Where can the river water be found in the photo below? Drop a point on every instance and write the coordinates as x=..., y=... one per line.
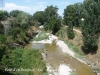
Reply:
x=55, y=57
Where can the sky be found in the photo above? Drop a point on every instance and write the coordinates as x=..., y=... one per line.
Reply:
x=31, y=6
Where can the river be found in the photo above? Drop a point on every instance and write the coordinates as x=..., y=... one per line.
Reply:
x=55, y=57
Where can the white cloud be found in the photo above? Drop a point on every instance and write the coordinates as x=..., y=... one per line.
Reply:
x=11, y=6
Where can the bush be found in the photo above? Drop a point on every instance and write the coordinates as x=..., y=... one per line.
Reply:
x=70, y=33
x=15, y=32
x=25, y=59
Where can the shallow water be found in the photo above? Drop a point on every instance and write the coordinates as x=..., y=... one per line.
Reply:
x=35, y=46
x=55, y=57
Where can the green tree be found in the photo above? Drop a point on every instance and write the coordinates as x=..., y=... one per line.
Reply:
x=53, y=21
x=3, y=15
x=69, y=20
x=23, y=19
x=39, y=16
x=77, y=14
x=15, y=13
x=70, y=32
x=91, y=26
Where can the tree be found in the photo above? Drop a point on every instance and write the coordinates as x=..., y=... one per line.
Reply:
x=91, y=26
x=23, y=19
x=39, y=16
x=77, y=14
x=70, y=32
x=3, y=15
x=69, y=19
x=15, y=13
x=53, y=21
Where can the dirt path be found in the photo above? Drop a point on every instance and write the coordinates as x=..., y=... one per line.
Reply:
x=76, y=30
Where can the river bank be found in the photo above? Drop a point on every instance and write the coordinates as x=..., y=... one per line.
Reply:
x=62, y=69
x=65, y=49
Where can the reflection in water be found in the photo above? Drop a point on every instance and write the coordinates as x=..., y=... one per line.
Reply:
x=56, y=57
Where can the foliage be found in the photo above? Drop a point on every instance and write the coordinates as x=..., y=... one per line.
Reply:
x=91, y=26
x=53, y=21
x=24, y=20
x=40, y=17
x=13, y=57
x=2, y=45
x=36, y=24
x=19, y=59
x=23, y=16
x=15, y=13
x=24, y=25
x=69, y=14
x=77, y=14
x=54, y=24
x=15, y=32
x=62, y=33
x=70, y=32
x=2, y=39
x=14, y=22
x=3, y=15
x=68, y=18
x=1, y=28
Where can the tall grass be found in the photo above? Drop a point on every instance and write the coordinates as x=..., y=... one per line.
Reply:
x=25, y=59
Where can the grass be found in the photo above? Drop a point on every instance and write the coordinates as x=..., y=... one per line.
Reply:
x=97, y=69
x=73, y=73
x=63, y=34
x=74, y=48
x=41, y=36
x=78, y=53
x=25, y=59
